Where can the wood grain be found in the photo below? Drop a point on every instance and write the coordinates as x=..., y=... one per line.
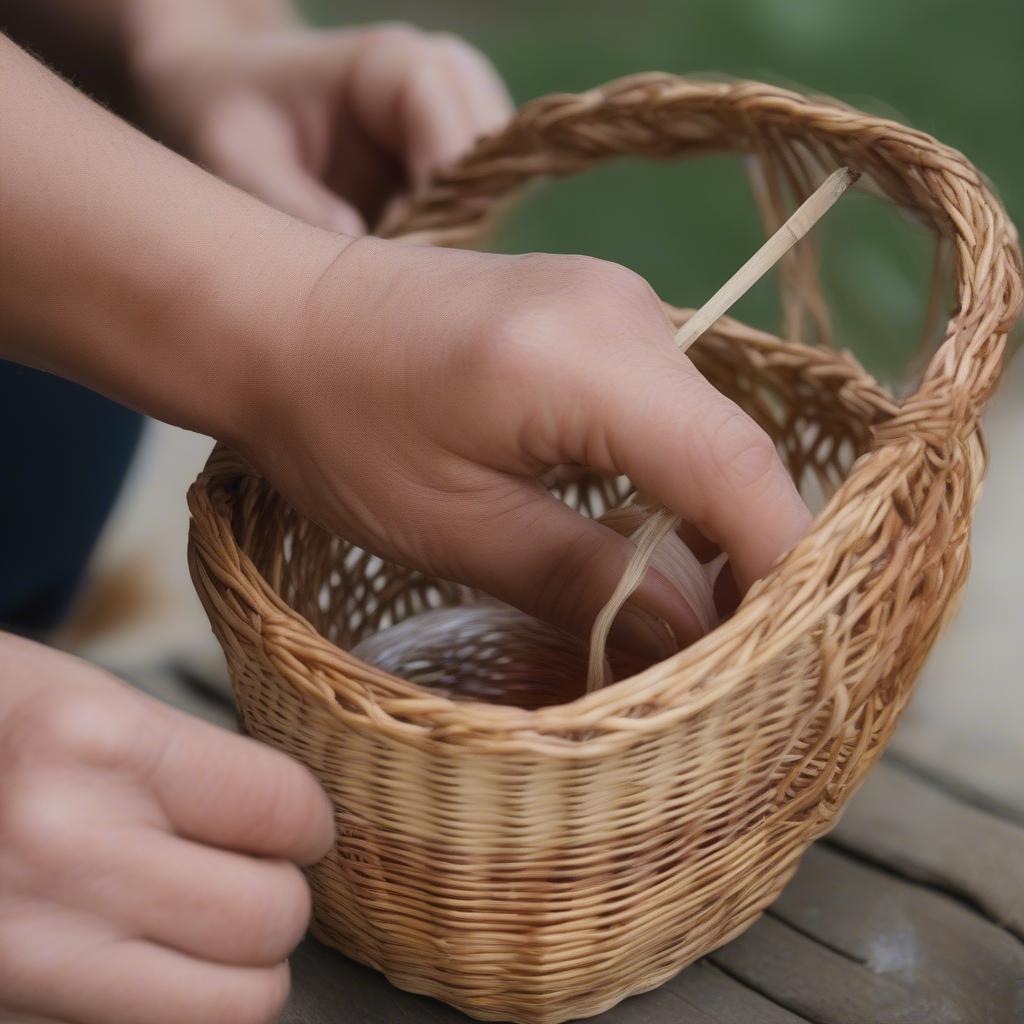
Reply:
x=847, y=942
x=914, y=829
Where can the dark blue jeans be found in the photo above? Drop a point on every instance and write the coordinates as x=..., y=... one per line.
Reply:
x=64, y=452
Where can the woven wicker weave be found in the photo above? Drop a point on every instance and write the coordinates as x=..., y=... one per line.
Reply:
x=539, y=865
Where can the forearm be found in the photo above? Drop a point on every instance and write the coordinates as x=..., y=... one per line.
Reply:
x=129, y=270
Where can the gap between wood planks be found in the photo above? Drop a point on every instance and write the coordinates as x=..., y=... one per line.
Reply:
x=885, y=868
x=764, y=995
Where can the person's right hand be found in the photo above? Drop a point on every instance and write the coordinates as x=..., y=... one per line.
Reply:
x=420, y=396
x=147, y=859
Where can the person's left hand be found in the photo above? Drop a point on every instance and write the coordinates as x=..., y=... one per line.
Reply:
x=326, y=125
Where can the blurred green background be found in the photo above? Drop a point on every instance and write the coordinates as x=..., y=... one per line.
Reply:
x=952, y=68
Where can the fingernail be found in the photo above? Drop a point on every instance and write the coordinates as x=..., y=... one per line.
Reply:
x=638, y=632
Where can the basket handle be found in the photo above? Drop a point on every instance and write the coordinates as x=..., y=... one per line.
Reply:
x=663, y=116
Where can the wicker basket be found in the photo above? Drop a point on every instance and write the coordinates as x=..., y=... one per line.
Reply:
x=541, y=865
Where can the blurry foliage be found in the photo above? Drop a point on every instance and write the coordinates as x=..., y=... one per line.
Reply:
x=948, y=67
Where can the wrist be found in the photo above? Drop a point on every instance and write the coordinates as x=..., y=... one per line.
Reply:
x=320, y=338
x=258, y=314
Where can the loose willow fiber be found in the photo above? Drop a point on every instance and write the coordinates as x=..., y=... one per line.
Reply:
x=541, y=865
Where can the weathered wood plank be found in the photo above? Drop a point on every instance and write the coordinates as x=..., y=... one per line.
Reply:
x=817, y=982
x=990, y=782
x=702, y=994
x=918, y=831
x=847, y=943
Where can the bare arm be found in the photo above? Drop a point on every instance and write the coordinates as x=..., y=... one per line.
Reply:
x=125, y=267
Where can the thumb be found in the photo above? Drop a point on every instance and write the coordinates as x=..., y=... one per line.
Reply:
x=252, y=146
x=546, y=559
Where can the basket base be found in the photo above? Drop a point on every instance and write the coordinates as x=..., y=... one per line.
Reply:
x=578, y=1008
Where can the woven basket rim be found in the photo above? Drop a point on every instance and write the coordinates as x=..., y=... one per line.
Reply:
x=534, y=729
x=943, y=411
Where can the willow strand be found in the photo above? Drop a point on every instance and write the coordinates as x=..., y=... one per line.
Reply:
x=664, y=521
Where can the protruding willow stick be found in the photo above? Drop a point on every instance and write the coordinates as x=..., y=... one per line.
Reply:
x=802, y=220
x=663, y=521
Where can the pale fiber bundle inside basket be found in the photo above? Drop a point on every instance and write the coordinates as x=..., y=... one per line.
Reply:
x=484, y=650
x=675, y=561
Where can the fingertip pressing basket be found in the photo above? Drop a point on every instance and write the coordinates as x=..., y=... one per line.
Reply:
x=540, y=865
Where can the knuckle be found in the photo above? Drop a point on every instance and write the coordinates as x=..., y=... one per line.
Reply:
x=19, y=818
x=610, y=283
x=19, y=976
x=609, y=304
x=296, y=811
x=742, y=454
x=552, y=305
x=396, y=34
x=448, y=40
x=10, y=948
x=260, y=1001
x=270, y=918
x=69, y=726
x=517, y=344
x=37, y=821
x=450, y=43
x=286, y=802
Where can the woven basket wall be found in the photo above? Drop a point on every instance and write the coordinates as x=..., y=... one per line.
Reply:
x=541, y=865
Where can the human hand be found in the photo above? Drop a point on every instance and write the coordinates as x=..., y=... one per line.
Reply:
x=324, y=125
x=147, y=859
x=425, y=394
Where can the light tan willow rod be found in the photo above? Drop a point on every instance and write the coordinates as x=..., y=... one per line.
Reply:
x=663, y=521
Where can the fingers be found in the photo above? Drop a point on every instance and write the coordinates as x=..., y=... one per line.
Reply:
x=252, y=145
x=124, y=982
x=426, y=98
x=474, y=79
x=517, y=542
x=699, y=454
x=435, y=127
x=209, y=903
x=451, y=101
x=225, y=790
